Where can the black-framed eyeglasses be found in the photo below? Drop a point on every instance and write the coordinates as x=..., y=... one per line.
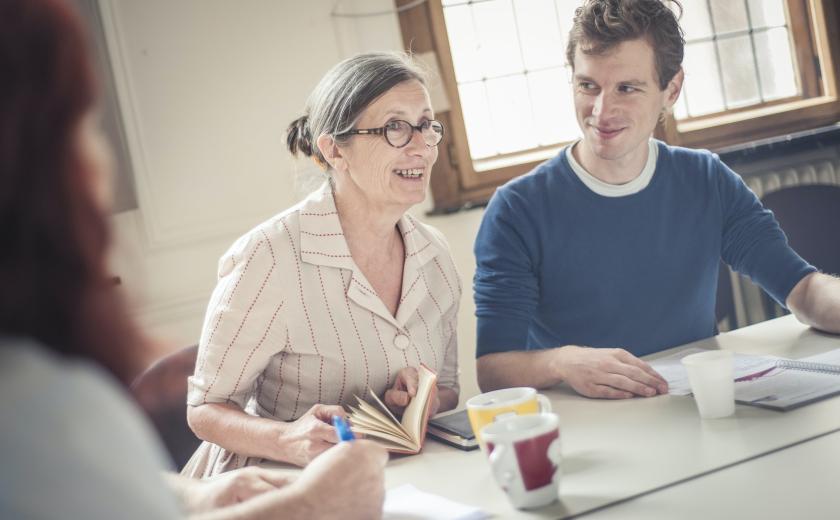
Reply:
x=398, y=133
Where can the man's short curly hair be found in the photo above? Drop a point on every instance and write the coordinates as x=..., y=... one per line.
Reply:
x=600, y=25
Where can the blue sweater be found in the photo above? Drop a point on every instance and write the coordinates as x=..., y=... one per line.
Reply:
x=558, y=264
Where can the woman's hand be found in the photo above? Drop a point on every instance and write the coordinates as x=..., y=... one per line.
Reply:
x=310, y=435
x=404, y=390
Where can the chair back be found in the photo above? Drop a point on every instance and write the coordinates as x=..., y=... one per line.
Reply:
x=161, y=391
x=810, y=217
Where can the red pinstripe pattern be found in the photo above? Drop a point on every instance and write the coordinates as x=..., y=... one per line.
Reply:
x=283, y=356
x=293, y=416
x=356, y=329
x=403, y=297
x=414, y=346
x=384, y=351
x=445, y=279
x=308, y=320
x=322, y=234
x=419, y=250
x=366, y=288
x=428, y=339
x=251, y=354
x=405, y=350
x=203, y=359
x=238, y=331
x=324, y=254
x=337, y=337
x=437, y=305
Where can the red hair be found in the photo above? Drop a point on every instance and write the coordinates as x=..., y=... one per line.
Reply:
x=54, y=237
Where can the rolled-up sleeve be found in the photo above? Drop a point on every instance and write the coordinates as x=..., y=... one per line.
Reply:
x=506, y=285
x=753, y=243
x=243, y=327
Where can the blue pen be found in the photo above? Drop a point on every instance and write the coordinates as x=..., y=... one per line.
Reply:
x=344, y=432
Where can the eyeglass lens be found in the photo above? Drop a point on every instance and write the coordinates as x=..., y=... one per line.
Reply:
x=399, y=132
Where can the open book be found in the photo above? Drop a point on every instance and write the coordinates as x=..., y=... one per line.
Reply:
x=375, y=421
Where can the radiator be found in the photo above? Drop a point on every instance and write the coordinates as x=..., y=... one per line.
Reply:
x=821, y=166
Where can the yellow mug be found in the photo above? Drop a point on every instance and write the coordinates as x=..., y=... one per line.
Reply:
x=485, y=408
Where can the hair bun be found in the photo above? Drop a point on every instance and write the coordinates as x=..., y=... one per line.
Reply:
x=299, y=137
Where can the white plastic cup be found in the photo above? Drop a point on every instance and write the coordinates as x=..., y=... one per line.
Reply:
x=712, y=382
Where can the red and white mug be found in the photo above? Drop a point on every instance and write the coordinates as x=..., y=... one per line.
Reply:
x=525, y=455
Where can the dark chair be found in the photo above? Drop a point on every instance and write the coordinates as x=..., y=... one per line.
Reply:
x=161, y=391
x=810, y=217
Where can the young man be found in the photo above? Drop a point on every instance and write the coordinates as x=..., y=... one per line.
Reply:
x=611, y=250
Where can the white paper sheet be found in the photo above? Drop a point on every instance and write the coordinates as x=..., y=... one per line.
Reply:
x=409, y=503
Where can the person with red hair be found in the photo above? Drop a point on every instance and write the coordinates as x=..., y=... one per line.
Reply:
x=74, y=444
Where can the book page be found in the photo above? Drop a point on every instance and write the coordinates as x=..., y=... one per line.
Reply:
x=787, y=388
x=414, y=416
x=389, y=441
x=369, y=416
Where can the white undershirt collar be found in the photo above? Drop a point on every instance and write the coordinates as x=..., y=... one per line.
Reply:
x=616, y=190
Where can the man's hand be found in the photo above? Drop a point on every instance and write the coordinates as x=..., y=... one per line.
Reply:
x=611, y=373
x=310, y=435
x=346, y=482
x=404, y=390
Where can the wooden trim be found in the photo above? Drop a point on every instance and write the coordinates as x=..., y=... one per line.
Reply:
x=803, y=45
x=459, y=129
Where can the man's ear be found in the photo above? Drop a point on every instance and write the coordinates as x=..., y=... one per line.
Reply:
x=331, y=152
x=674, y=88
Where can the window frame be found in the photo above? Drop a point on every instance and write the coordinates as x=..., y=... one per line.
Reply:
x=457, y=183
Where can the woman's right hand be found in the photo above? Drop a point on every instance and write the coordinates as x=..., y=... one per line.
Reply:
x=310, y=435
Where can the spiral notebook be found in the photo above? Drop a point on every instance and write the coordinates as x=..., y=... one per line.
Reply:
x=792, y=383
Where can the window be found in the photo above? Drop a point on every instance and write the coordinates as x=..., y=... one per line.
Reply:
x=754, y=69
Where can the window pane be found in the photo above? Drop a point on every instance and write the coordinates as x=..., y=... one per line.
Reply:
x=729, y=15
x=510, y=111
x=767, y=13
x=542, y=45
x=702, y=87
x=695, y=21
x=739, y=78
x=477, y=119
x=565, y=14
x=498, y=45
x=775, y=63
x=463, y=43
x=551, y=95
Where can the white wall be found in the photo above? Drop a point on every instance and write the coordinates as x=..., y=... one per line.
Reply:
x=206, y=88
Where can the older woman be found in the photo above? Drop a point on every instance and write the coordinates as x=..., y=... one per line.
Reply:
x=339, y=293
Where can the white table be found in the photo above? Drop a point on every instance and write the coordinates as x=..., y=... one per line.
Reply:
x=797, y=482
x=617, y=450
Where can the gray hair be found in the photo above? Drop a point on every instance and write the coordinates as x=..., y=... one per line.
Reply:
x=343, y=94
